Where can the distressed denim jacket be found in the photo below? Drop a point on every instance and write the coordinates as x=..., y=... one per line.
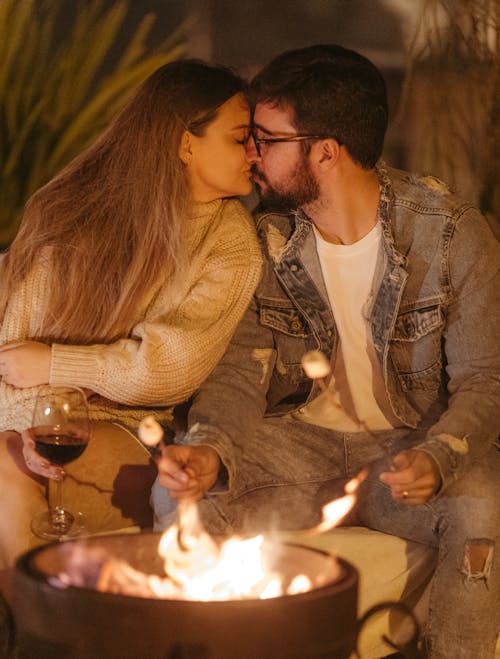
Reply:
x=434, y=314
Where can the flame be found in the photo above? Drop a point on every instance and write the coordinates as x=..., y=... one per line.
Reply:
x=197, y=567
x=336, y=510
x=205, y=570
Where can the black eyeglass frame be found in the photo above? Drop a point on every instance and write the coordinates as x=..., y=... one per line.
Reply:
x=292, y=138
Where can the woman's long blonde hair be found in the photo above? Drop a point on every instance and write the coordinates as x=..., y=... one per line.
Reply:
x=115, y=217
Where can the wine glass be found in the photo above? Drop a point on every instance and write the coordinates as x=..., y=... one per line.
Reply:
x=61, y=431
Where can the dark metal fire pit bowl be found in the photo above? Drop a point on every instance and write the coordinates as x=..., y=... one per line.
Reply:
x=77, y=623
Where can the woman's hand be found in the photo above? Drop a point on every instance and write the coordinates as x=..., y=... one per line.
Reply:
x=188, y=471
x=35, y=462
x=25, y=364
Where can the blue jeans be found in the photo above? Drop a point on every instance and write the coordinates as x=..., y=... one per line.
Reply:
x=294, y=468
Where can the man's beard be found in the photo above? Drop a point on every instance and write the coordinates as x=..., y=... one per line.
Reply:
x=298, y=189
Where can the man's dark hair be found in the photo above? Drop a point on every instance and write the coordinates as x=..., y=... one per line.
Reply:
x=333, y=91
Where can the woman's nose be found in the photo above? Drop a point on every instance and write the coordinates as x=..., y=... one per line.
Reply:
x=252, y=154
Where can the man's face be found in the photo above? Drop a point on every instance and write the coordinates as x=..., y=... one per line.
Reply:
x=282, y=172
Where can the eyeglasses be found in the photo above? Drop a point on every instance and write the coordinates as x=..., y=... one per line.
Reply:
x=259, y=141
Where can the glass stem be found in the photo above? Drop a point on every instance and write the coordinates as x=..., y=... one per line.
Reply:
x=61, y=519
x=58, y=496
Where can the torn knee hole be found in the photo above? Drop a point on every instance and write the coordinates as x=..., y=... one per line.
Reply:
x=478, y=557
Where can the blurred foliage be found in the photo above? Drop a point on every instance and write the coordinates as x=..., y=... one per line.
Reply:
x=60, y=85
x=453, y=86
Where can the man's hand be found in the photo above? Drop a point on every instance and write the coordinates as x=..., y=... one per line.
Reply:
x=415, y=477
x=188, y=471
x=25, y=364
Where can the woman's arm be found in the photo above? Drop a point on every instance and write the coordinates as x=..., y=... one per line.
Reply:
x=172, y=352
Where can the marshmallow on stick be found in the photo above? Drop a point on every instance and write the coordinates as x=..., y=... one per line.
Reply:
x=315, y=365
x=317, y=368
x=150, y=431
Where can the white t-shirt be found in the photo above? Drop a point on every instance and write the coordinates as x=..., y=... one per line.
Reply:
x=348, y=274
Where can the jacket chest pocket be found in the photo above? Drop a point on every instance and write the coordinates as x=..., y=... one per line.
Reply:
x=416, y=348
x=284, y=319
x=290, y=332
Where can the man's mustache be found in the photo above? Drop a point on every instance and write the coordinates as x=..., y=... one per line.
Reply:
x=256, y=172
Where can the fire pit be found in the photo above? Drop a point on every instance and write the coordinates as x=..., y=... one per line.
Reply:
x=81, y=622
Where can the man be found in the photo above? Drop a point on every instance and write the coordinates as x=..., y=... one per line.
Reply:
x=396, y=281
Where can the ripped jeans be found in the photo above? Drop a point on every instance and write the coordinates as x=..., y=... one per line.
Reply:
x=294, y=468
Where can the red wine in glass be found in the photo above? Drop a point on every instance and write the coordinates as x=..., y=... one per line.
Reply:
x=60, y=431
x=58, y=449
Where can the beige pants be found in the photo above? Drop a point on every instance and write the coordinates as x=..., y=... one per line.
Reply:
x=110, y=484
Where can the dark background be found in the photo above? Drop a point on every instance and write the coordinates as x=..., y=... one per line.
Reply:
x=246, y=34
x=440, y=60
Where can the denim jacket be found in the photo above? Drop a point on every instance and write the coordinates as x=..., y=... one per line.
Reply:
x=435, y=320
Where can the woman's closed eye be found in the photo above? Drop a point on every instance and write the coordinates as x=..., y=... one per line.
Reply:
x=241, y=138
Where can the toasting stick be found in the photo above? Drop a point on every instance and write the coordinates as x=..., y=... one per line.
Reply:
x=317, y=368
x=152, y=434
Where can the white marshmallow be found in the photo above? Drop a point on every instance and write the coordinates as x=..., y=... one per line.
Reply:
x=150, y=431
x=315, y=365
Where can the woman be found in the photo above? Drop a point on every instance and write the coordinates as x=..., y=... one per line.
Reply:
x=127, y=278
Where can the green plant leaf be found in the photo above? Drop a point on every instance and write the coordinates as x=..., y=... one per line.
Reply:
x=54, y=96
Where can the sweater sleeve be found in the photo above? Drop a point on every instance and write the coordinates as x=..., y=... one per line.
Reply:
x=171, y=352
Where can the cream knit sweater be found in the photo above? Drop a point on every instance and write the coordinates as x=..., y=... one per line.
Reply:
x=176, y=341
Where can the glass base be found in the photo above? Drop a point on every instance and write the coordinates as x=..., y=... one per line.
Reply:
x=58, y=524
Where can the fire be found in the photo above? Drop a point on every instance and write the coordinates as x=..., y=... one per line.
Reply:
x=198, y=567
x=238, y=568
x=206, y=571
x=336, y=510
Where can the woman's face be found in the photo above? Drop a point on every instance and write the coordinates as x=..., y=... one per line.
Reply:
x=217, y=162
